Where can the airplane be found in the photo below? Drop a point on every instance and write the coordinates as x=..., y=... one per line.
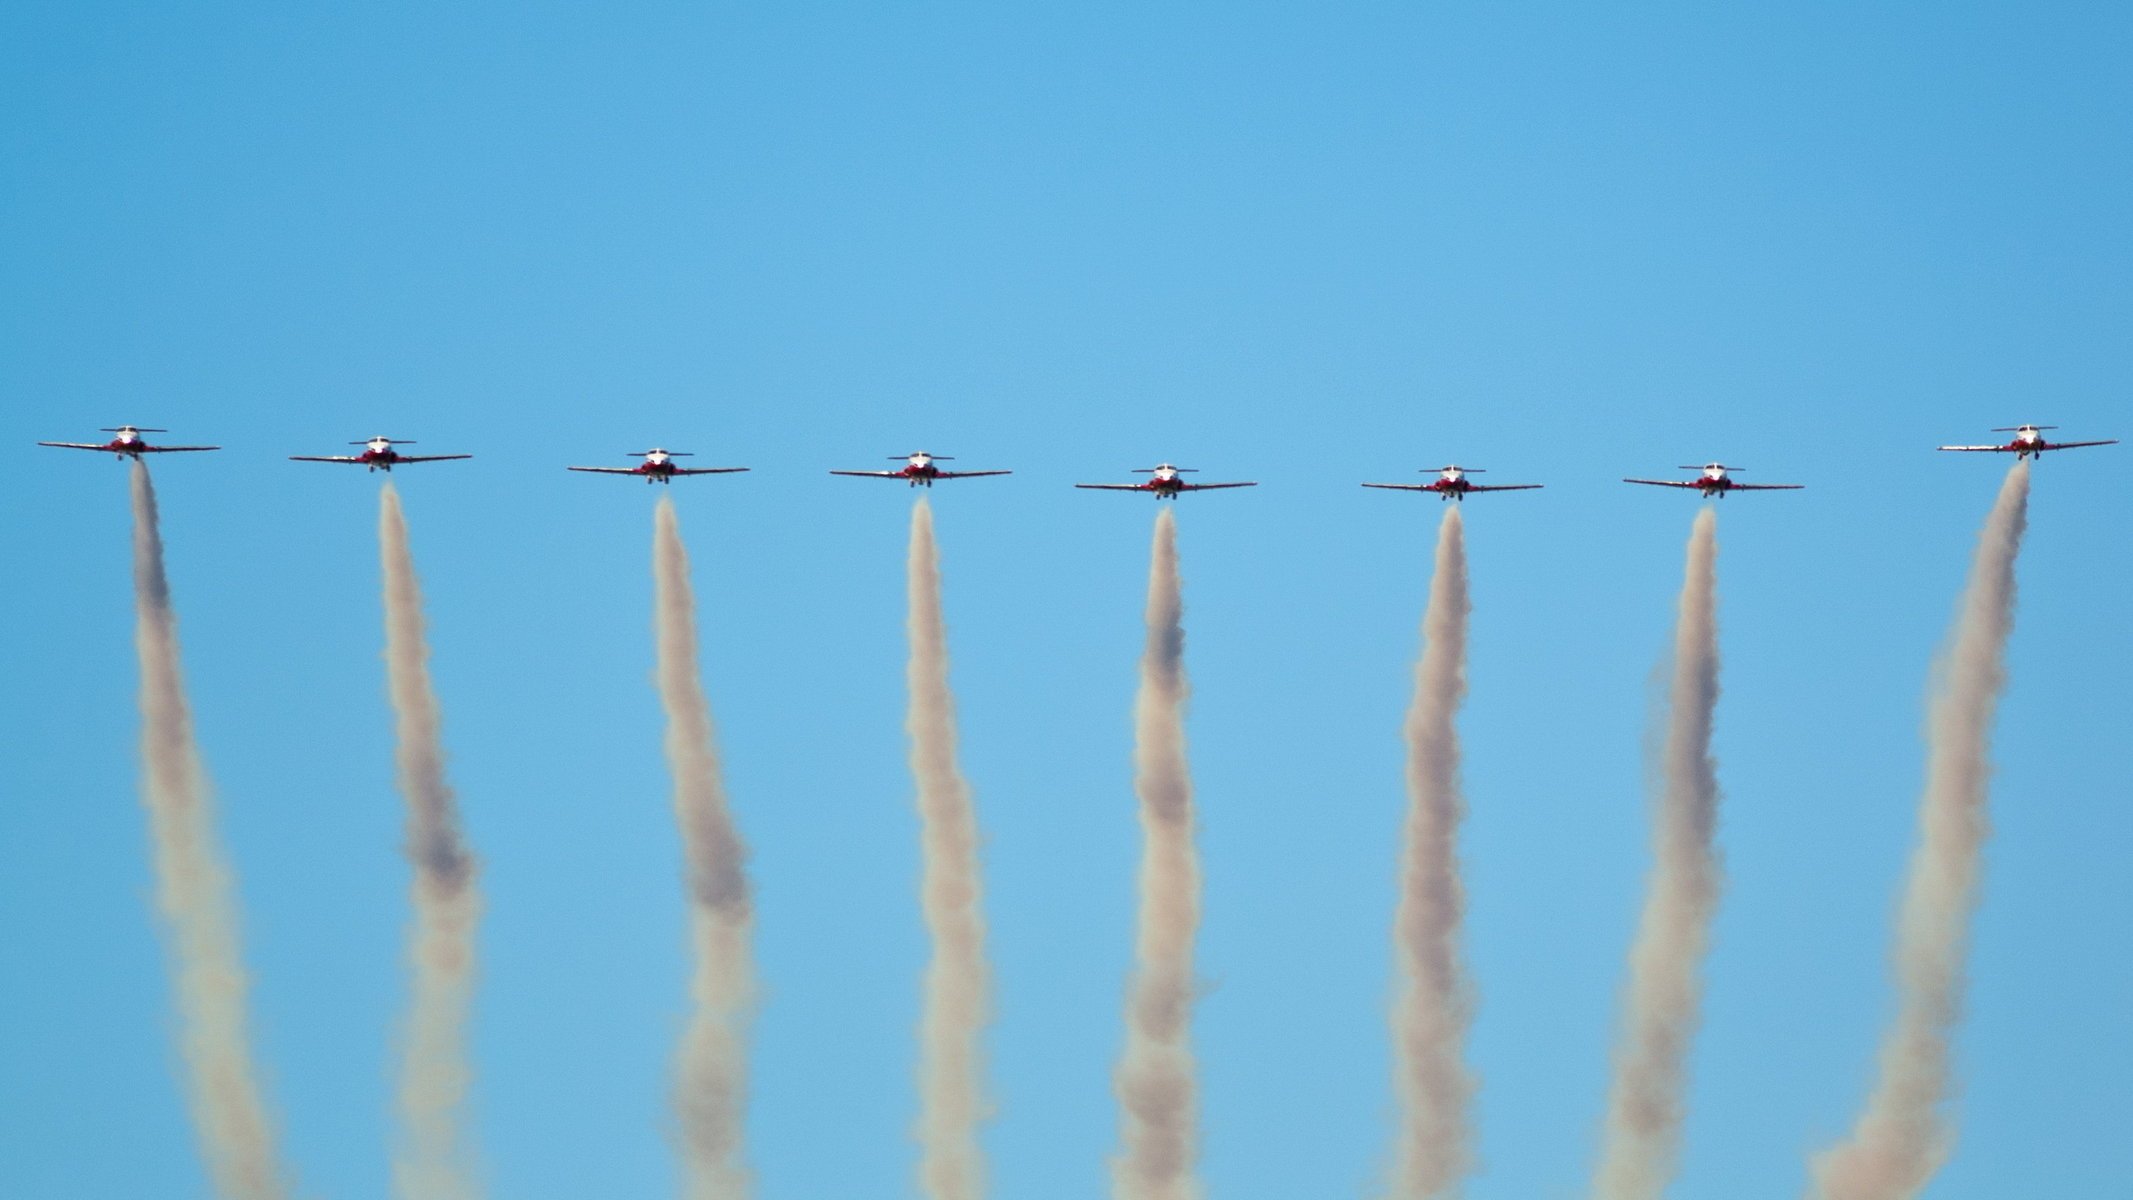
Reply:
x=659, y=467
x=919, y=471
x=378, y=455
x=1715, y=482
x=1451, y=484
x=2028, y=440
x=128, y=443
x=1163, y=482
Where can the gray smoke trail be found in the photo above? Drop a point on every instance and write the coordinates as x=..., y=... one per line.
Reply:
x=958, y=982
x=1664, y=995
x=1434, y=1148
x=193, y=892
x=1154, y=1080
x=433, y=1162
x=1902, y=1138
x=711, y=1066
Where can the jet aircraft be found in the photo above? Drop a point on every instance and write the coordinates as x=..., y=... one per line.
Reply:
x=659, y=467
x=1451, y=484
x=378, y=455
x=2028, y=440
x=128, y=444
x=1163, y=482
x=918, y=470
x=1715, y=482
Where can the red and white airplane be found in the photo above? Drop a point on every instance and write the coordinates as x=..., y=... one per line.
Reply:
x=128, y=443
x=1162, y=482
x=659, y=467
x=1715, y=482
x=2028, y=440
x=1451, y=484
x=918, y=470
x=378, y=455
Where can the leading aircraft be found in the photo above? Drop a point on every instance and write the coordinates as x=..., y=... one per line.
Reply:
x=659, y=467
x=1715, y=482
x=128, y=443
x=1451, y=484
x=2028, y=440
x=378, y=455
x=1162, y=482
x=918, y=470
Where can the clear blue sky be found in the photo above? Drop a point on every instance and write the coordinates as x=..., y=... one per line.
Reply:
x=1305, y=244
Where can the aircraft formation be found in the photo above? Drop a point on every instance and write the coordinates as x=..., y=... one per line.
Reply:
x=1165, y=480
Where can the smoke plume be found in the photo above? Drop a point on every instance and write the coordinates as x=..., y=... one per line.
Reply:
x=1902, y=1138
x=193, y=893
x=1430, y=1017
x=1154, y=1080
x=433, y=1161
x=1664, y=995
x=711, y=1065
x=958, y=981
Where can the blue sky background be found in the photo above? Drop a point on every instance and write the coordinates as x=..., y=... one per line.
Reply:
x=1305, y=244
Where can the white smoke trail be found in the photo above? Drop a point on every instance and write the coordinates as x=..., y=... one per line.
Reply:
x=1664, y=996
x=958, y=981
x=193, y=893
x=1156, y=1087
x=433, y=1161
x=1433, y=1148
x=711, y=1066
x=1902, y=1138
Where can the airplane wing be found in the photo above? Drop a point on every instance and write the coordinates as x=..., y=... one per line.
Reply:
x=873, y=474
x=1406, y=487
x=1201, y=487
x=410, y=458
x=2072, y=445
x=74, y=445
x=174, y=449
x=609, y=470
x=1680, y=483
x=1503, y=487
x=1116, y=487
x=969, y=474
x=339, y=458
x=1768, y=487
x=1987, y=449
x=707, y=470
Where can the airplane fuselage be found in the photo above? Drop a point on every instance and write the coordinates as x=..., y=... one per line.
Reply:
x=1450, y=484
x=128, y=444
x=656, y=470
x=378, y=455
x=2028, y=442
x=1165, y=483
